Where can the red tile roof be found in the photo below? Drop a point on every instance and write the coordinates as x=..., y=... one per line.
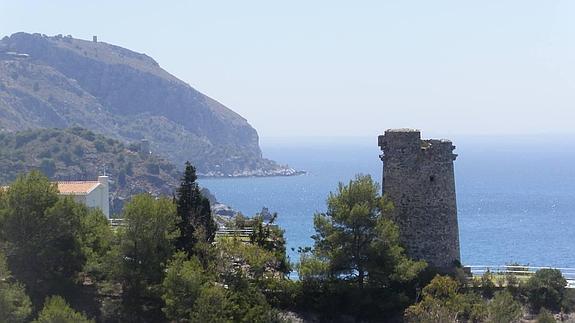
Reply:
x=77, y=188
x=71, y=187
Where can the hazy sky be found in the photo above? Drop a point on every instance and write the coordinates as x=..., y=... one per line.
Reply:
x=341, y=68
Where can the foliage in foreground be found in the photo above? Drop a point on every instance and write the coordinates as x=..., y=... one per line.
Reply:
x=182, y=284
x=56, y=310
x=357, y=265
x=445, y=300
x=146, y=243
x=188, y=277
x=15, y=305
x=545, y=317
x=141, y=273
x=546, y=289
x=40, y=233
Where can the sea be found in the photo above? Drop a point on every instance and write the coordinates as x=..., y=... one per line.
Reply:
x=515, y=194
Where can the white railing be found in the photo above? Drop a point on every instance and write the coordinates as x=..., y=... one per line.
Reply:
x=116, y=222
x=234, y=232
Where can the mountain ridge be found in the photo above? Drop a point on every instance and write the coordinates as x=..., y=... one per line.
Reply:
x=48, y=82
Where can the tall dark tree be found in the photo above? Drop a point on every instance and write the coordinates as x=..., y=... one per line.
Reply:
x=194, y=213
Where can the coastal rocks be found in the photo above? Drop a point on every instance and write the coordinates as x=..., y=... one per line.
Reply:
x=223, y=210
x=280, y=171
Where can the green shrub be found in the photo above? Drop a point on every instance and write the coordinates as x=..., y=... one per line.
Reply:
x=545, y=317
x=474, y=308
x=545, y=289
x=487, y=284
x=183, y=284
x=213, y=305
x=568, y=304
x=504, y=309
x=441, y=302
x=56, y=310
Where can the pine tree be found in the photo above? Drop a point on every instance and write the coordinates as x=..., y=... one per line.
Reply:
x=358, y=240
x=39, y=233
x=194, y=212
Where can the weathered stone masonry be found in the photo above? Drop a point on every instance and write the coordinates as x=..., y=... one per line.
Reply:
x=419, y=179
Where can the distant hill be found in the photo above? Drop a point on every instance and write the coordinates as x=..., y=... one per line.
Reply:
x=62, y=82
x=79, y=154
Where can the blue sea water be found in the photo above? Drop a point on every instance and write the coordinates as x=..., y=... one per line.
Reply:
x=515, y=195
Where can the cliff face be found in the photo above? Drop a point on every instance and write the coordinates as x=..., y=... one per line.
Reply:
x=48, y=82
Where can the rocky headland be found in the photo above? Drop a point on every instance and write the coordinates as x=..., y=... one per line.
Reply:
x=63, y=82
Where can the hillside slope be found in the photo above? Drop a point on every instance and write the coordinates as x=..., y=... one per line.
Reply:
x=79, y=154
x=59, y=82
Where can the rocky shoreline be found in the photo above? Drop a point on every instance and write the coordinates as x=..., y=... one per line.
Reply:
x=281, y=172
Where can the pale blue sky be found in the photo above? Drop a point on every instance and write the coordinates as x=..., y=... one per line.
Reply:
x=347, y=68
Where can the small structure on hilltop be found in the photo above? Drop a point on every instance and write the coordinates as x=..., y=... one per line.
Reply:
x=418, y=177
x=93, y=194
x=144, y=150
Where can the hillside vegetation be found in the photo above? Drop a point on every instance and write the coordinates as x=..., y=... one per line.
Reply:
x=79, y=154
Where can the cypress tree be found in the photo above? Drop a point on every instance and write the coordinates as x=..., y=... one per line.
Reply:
x=194, y=213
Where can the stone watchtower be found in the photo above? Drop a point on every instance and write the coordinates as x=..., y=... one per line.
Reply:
x=418, y=178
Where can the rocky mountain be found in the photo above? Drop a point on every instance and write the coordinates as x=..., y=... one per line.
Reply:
x=62, y=82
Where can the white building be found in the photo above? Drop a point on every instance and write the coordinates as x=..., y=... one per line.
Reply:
x=93, y=194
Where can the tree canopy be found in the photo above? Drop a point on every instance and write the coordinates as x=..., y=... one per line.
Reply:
x=182, y=286
x=40, y=234
x=57, y=310
x=546, y=289
x=195, y=220
x=357, y=265
x=146, y=242
x=356, y=238
x=55, y=252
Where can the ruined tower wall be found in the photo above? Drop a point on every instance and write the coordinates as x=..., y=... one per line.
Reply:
x=419, y=179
